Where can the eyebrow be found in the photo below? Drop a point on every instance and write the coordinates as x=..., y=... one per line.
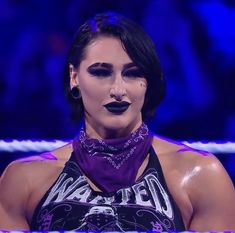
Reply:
x=99, y=64
x=129, y=65
x=110, y=66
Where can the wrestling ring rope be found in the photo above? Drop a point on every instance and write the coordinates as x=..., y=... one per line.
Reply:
x=43, y=145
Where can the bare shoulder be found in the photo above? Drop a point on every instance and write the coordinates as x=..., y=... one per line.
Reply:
x=199, y=176
x=199, y=164
x=29, y=169
x=26, y=177
x=185, y=157
x=34, y=165
x=23, y=182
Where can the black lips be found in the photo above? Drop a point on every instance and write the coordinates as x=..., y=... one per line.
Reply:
x=117, y=107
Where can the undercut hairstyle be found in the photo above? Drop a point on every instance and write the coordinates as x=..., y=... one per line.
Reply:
x=137, y=44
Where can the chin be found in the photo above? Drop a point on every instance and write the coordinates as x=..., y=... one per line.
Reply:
x=118, y=123
x=115, y=125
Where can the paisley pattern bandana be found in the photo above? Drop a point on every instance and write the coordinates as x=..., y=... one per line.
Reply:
x=112, y=164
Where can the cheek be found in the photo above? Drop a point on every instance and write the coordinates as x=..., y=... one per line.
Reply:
x=89, y=89
x=93, y=96
x=143, y=84
x=143, y=87
x=138, y=93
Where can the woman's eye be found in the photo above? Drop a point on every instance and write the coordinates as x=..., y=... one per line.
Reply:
x=135, y=73
x=100, y=72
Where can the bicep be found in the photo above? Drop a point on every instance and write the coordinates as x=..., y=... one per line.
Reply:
x=11, y=221
x=13, y=200
x=213, y=199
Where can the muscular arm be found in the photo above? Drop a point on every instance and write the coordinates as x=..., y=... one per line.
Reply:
x=213, y=197
x=13, y=198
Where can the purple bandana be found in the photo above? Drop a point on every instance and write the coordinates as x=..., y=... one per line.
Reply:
x=112, y=164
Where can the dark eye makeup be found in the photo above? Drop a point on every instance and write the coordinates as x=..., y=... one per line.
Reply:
x=105, y=70
x=99, y=72
x=132, y=73
x=100, y=69
x=130, y=70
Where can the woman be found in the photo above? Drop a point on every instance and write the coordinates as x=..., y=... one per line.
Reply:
x=116, y=175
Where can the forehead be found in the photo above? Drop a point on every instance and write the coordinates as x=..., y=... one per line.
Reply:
x=106, y=49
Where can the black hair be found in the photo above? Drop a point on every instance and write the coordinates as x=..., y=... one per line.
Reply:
x=136, y=43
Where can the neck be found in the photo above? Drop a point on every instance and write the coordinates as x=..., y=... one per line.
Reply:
x=104, y=133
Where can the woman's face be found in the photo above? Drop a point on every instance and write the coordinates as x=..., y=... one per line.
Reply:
x=112, y=89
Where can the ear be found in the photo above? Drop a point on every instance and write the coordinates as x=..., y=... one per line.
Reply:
x=73, y=72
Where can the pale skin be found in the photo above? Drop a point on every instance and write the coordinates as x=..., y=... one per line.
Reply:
x=197, y=181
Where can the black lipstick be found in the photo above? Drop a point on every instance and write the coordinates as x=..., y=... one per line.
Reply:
x=117, y=107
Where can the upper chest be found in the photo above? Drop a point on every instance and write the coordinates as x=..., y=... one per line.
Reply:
x=46, y=174
x=71, y=190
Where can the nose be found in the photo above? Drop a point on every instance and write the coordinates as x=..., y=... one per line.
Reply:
x=118, y=89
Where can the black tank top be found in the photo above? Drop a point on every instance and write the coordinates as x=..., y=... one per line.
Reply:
x=71, y=204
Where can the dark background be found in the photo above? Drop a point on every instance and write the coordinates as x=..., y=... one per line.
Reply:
x=195, y=41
